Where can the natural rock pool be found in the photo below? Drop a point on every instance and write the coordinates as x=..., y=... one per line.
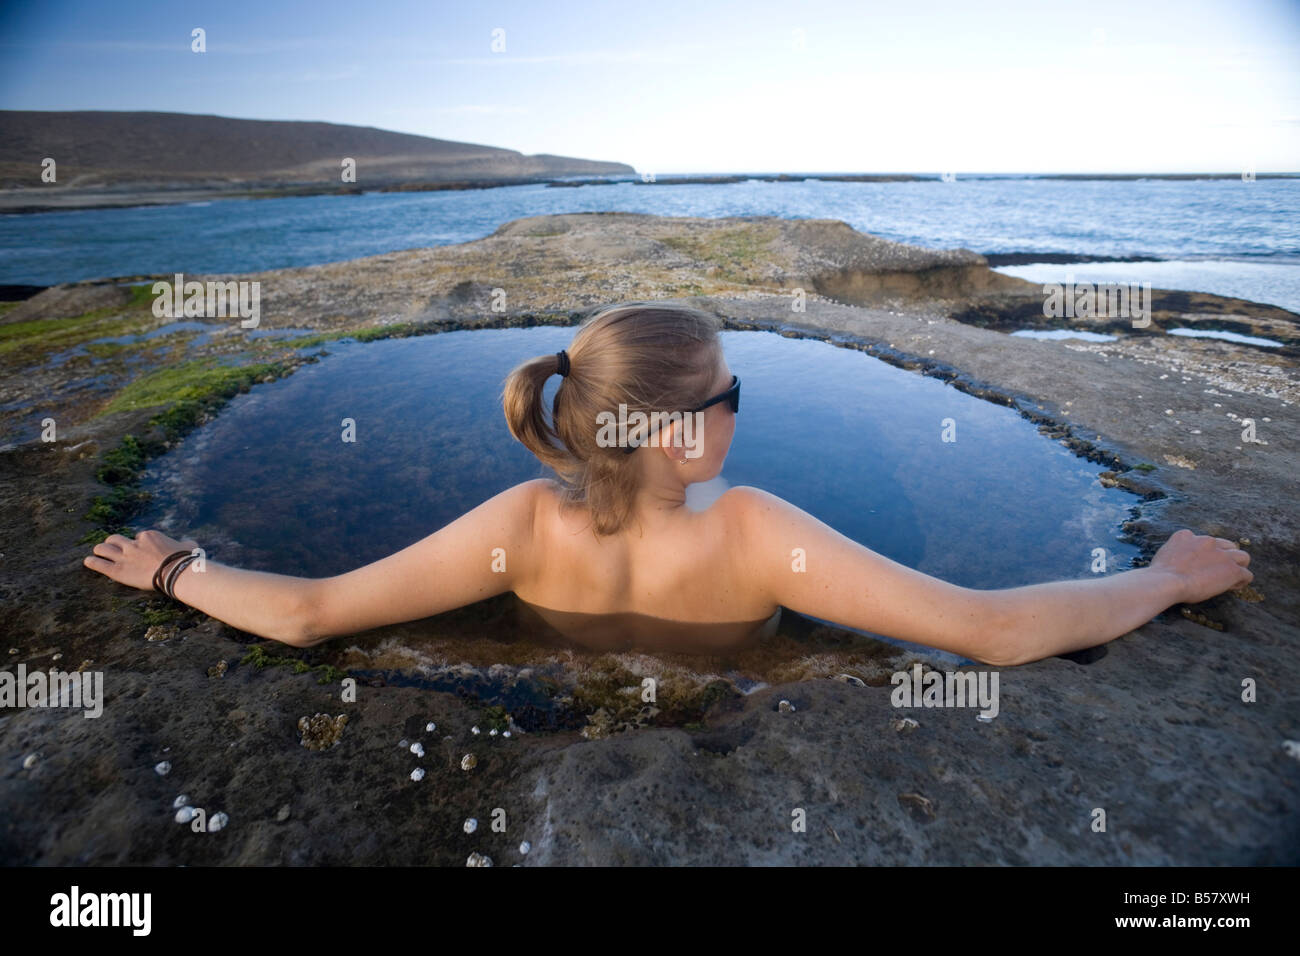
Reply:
x=271, y=485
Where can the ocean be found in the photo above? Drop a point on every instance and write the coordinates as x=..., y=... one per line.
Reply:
x=1224, y=236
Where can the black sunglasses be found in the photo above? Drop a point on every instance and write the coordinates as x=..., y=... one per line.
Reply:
x=731, y=395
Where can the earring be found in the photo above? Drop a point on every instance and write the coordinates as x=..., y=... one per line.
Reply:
x=681, y=461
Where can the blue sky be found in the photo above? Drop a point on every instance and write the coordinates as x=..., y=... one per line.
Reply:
x=669, y=87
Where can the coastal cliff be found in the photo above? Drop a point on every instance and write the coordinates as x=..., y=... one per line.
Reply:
x=106, y=158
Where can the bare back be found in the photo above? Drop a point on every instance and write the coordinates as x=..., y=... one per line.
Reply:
x=677, y=579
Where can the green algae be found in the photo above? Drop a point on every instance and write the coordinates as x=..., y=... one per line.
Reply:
x=49, y=334
x=734, y=252
x=310, y=341
x=612, y=698
x=259, y=659
x=152, y=615
x=201, y=381
x=110, y=511
x=170, y=340
x=371, y=334
x=123, y=462
x=57, y=333
x=1145, y=466
x=495, y=718
x=377, y=333
x=193, y=390
x=141, y=294
x=120, y=469
x=690, y=288
x=104, y=350
x=404, y=330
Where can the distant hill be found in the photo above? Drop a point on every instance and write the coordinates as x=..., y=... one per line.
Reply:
x=124, y=150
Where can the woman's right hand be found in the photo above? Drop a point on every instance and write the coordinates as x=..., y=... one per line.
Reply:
x=132, y=561
x=1205, y=565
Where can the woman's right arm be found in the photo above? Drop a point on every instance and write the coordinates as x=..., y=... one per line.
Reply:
x=463, y=562
x=844, y=582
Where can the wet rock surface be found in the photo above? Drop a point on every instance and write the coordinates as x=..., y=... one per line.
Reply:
x=1150, y=728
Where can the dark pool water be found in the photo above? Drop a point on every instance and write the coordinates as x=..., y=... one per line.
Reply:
x=852, y=440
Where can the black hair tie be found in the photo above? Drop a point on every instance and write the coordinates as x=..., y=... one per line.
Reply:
x=563, y=356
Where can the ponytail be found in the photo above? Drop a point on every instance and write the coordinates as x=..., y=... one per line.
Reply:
x=522, y=401
x=646, y=356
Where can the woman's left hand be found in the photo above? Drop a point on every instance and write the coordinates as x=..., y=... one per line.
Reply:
x=133, y=561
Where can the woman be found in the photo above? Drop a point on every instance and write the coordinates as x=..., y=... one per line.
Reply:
x=609, y=555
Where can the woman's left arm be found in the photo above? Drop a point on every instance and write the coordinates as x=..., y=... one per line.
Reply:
x=455, y=566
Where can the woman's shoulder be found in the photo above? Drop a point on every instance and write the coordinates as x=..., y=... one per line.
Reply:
x=548, y=502
x=762, y=517
x=744, y=494
x=740, y=508
x=539, y=486
x=747, y=500
x=540, y=493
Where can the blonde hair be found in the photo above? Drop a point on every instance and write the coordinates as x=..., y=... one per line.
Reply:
x=649, y=356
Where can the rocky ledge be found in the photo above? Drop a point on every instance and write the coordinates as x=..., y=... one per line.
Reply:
x=1151, y=728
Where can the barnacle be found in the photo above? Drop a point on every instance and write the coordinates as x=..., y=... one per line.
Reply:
x=321, y=731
